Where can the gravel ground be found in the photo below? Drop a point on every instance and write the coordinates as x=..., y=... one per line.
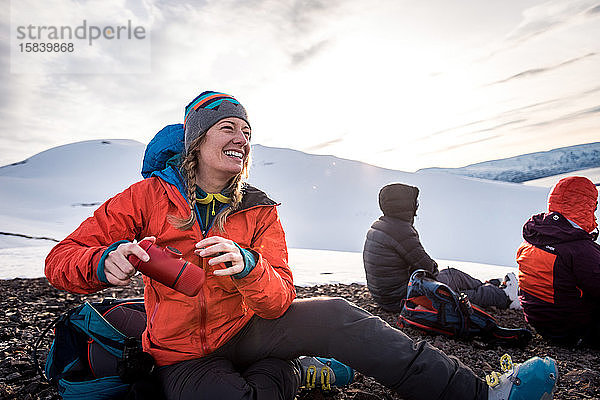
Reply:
x=28, y=305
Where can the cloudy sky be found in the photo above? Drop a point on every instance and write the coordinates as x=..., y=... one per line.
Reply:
x=399, y=84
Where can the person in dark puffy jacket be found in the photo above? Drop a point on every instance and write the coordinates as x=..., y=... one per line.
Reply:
x=559, y=266
x=393, y=251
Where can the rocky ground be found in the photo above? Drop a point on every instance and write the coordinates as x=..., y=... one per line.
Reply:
x=28, y=305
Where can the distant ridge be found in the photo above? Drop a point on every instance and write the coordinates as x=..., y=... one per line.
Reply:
x=533, y=165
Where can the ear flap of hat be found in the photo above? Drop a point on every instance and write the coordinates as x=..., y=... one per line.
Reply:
x=576, y=198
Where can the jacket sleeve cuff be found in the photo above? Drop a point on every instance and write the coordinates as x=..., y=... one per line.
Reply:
x=249, y=263
x=100, y=269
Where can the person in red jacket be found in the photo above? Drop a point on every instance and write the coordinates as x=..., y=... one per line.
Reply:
x=240, y=336
x=559, y=265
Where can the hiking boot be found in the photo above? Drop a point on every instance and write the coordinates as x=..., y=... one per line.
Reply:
x=535, y=379
x=511, y=288
x=324, y=373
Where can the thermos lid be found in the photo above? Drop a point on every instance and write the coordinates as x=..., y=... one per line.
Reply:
x=145, y=244
x=135, y=262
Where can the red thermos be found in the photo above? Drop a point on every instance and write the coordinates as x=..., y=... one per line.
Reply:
x=167, y=267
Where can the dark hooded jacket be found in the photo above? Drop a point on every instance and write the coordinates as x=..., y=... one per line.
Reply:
x=392, y=248
x=559, y=264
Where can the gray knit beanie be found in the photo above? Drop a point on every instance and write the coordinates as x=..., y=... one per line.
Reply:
x=207, y=109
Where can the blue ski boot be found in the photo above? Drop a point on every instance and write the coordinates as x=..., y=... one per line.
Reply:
x=535, y=379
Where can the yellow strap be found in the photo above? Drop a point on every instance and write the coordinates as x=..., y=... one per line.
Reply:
x=311, y=377
x=212, y=196
x=325, y=377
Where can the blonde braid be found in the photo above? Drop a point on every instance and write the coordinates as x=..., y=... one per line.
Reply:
x=235, y=193
x=188, y=170
x=235, y=190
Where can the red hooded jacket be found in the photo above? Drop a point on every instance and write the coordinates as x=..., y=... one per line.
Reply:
x=180, y=327
x=559, y=261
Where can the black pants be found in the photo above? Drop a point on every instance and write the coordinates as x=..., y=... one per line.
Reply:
x=573, y=335
x=479, y=293
x=250, y=365
x=216, y=377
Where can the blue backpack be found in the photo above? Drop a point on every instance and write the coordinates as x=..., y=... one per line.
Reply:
x=433, y=307
x=96, y=352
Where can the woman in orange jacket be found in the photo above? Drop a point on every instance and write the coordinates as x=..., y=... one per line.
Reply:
x=236, y=337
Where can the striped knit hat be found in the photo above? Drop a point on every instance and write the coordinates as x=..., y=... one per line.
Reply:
x=207, y=109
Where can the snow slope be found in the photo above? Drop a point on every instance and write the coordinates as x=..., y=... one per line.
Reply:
x=310, y=267
x=50, y=193
x=593, y=174
x=531, y=166
x=330, y=203
x=327, y=203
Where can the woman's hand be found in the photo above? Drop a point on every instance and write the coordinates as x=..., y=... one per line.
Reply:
x=117, y=268
x=221, y=250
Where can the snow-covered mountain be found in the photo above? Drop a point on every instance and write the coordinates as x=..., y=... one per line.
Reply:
x=531, y=166
x=328, y=203
x=50, y=193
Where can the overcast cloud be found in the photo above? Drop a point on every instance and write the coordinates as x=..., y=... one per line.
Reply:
x=399, y=84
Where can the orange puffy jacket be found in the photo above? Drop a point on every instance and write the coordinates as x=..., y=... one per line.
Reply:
x=179, y=327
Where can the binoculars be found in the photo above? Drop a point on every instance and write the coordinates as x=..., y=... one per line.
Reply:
x=167, y=266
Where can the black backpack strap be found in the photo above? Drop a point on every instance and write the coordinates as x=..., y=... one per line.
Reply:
x=135, y=364
x=517, y=337
x=38, y=342
x=453, y=303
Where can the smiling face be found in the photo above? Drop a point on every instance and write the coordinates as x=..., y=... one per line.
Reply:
x=223, y=153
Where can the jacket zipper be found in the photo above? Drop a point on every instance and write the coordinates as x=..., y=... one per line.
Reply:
x=201, y=297
x=157, y=302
